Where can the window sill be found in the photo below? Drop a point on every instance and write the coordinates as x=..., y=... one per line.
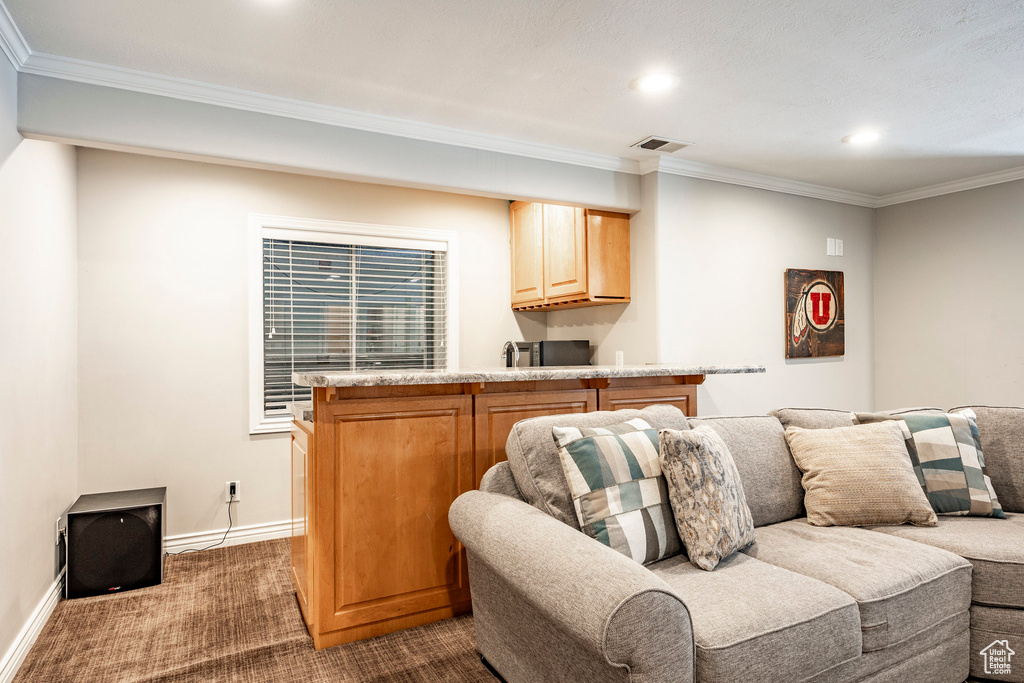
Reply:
x=274, y=425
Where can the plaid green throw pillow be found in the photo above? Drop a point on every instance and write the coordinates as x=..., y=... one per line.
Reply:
x=617, y=488
x=947, y=457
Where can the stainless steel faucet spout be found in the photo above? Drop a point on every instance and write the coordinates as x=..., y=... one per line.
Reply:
x=511, y=361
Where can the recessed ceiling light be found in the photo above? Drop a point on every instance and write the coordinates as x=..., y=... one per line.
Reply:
x=655, y=82
x=864, y=137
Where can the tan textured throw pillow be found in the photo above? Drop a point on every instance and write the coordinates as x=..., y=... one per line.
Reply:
x=858, y=475
x=946, y=452
x=707, y=498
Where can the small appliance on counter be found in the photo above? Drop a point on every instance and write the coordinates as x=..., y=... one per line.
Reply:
x=543, y=353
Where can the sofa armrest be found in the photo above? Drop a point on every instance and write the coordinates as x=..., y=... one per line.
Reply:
x=551, y=603
x=499, y=479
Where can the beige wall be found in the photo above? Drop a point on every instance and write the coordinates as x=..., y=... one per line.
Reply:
x=115, y=118
x=707, y=275
x=163, y=319
x=722, y=258
x=163, y=337
x=38, y=415
x=948, y=284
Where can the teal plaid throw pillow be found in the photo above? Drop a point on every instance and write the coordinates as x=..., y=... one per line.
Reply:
x=947, y=457
x=617, y=488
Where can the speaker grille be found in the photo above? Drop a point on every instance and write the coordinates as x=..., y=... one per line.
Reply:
x=113, y=551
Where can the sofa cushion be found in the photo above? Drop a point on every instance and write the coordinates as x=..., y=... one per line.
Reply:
x=618, y=491
x=499, y=479
x=999, y=621
x=771, y=480
x=994, y=546
x=753, y=621
x=989, y=627
x=938, y=655
x=858, y=475
x=901, y=587
x=534, y=460
x=710, y=509
x=813, y=418
x=1002, y=441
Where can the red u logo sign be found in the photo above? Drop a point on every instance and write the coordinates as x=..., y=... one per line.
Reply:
x=821, y=305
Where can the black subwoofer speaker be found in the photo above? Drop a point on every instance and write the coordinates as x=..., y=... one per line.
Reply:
x=115, y=542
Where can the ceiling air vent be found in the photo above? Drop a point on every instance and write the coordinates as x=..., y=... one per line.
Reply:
x=655, y=143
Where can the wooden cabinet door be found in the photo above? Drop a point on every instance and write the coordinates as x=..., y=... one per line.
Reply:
x=527, y=246
x=302, y=560
x=608, y=255
x=393, y=466
x=497, y=413
x=683, y=396
x=565, y=251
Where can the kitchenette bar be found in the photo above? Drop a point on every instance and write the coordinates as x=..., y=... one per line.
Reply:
x=378, y=458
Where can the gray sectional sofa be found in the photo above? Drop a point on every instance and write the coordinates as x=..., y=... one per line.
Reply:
x=803, y=603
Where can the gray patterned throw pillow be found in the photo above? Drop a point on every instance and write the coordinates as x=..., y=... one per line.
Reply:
x=707, y=495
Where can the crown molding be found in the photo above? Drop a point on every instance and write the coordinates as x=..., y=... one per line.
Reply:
x=195, y=91
x=649, y=165
x=952, y=186
x=696, y=169
x=11, y=41
x=26, y=61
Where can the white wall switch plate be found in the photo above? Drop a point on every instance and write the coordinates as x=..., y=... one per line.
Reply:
x=839, y=247
x=830, y=246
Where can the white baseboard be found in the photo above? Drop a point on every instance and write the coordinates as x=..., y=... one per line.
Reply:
x=237, y=536
x=11, y=662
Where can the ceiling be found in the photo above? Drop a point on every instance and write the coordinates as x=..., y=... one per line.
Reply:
x=767, y=86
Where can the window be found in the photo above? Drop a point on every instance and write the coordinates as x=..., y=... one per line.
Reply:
x=330, y=296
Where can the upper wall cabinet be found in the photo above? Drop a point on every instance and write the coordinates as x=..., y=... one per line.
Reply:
x=567, y=257
x=527, y=245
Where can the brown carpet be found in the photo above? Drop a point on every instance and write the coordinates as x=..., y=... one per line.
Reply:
x=230, y=614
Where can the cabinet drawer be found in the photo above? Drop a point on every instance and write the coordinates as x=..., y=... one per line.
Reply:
x=682, y=396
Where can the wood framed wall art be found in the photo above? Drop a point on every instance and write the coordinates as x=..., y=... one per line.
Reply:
x=815, y=320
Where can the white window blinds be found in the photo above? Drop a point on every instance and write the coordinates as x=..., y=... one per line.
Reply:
x=331, y=306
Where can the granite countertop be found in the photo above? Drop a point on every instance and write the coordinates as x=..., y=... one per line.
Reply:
x=383, y=378
x=302, y=411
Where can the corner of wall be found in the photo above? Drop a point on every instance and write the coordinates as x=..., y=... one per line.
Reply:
x=651, y=202
x=39, y=395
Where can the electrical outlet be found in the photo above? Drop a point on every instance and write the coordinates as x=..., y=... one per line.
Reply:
x=232, y=487
x=620, y=358
x=839, y=247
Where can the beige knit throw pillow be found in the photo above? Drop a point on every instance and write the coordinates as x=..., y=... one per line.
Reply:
x=858, y=475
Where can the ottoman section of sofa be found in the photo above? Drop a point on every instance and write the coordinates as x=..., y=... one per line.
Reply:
x=902, y=588
x=756, y=622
